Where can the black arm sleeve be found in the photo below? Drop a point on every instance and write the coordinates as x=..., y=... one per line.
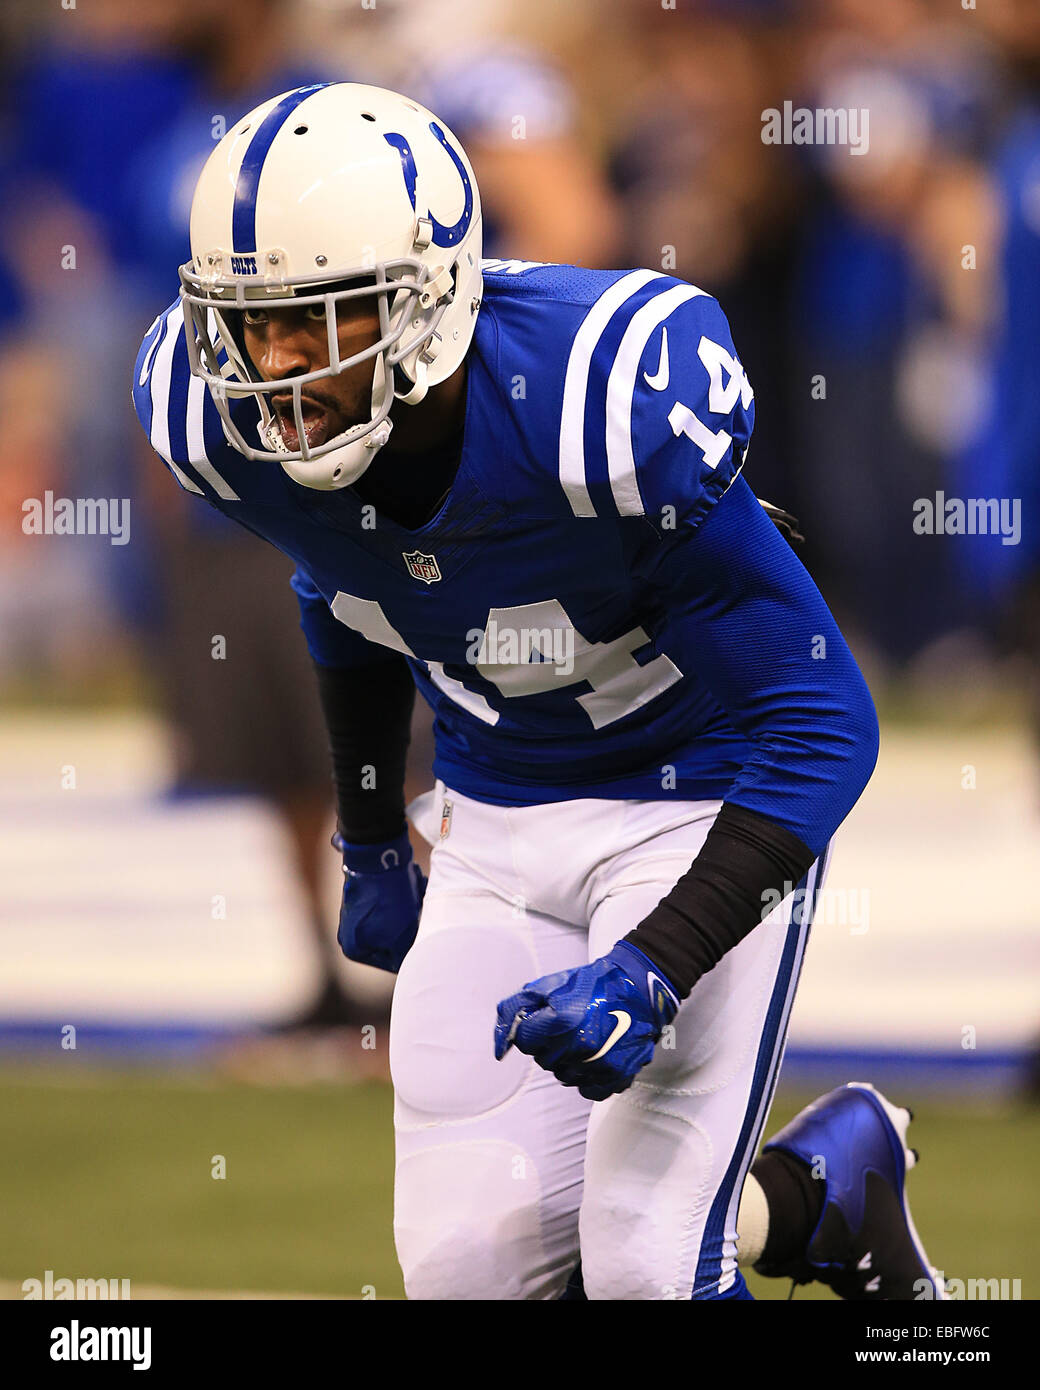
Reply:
x=746, y=860
x=368, y=713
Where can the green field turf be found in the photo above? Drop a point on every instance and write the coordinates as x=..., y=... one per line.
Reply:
x=109, y=1176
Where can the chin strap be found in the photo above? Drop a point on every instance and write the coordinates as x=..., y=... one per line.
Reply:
x=417, y=371
x=437, y=290
x=417, y=392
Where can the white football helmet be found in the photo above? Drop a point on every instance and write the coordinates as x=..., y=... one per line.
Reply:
x=328, y=184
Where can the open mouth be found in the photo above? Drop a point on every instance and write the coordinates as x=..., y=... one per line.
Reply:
x=315, y=422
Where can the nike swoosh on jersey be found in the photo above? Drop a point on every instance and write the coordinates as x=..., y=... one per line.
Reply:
x=659, y=380
x=624, y=1023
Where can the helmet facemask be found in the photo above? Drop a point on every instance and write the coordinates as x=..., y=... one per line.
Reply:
x=410, y=307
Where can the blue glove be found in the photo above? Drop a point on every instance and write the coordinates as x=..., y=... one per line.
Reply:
x=594, y=1027
x=382, y=893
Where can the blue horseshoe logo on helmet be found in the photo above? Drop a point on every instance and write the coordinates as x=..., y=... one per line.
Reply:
x=442, y=235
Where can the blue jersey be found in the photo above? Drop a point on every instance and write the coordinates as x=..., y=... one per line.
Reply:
x=600, y=607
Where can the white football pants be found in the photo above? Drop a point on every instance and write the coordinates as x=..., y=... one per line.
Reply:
x=505, y=1177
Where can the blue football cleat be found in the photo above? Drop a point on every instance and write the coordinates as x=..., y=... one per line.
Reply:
x=864, y=1245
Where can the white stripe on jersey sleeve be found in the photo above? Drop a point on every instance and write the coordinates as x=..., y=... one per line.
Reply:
x=575, y=389
x=158, y=327
x=162, y=370
x=197, y=456
x=621, y=465
x=159, y=385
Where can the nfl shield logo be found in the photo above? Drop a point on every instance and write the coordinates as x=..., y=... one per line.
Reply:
x=421, y=566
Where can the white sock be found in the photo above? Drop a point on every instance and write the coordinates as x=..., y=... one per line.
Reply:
x=752, y=1222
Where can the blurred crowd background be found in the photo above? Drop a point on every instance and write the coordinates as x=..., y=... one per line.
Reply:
x=886, y=308
x=616, y=134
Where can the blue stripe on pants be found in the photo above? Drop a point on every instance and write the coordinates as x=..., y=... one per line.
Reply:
x=709, y=1265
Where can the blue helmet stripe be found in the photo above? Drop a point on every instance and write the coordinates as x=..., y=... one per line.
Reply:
x=243, y=218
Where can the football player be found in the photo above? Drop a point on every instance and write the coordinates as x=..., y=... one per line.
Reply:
x=518, y=487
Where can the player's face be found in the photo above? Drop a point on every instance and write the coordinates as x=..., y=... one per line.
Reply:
x=287, y=342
